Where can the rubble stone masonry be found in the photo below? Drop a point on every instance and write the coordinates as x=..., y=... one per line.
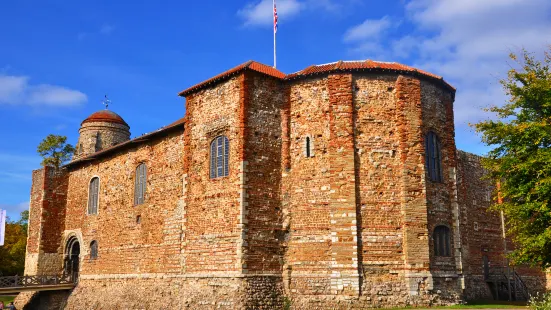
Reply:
x=46, y=220
x=327, y=204
x=482, y=234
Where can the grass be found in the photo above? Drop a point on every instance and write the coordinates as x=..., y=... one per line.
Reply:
x=7, y=298
x=488, y=306
x=477, y=305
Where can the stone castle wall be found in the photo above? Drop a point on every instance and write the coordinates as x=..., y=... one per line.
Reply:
x=349, y=227
x=232, y=222
x=213, y=217
x=131, y=238
x=305, y=189
x=482, y=232
x=442, y=207
x=261, y=122
x=46, y=221
x=358, y=221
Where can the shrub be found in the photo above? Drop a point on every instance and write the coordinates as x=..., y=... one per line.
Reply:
x=540, y=301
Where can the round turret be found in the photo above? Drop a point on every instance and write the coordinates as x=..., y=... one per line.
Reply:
x=99, y=131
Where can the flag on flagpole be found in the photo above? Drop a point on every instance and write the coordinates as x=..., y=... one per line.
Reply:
x=275, y=30
x=275, y=18
x=2, y=226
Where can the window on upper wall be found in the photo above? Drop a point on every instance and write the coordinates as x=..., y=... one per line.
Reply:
x=219, y=156
x=94, y=249
x=442, y=242
x=433, y=158
x=140, y=182
x=93, y=195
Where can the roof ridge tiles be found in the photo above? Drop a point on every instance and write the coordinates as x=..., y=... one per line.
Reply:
x=340, y=65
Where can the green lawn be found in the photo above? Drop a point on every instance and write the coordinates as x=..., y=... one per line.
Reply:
x=7, y=298
x=488, y=306
x=477, y=305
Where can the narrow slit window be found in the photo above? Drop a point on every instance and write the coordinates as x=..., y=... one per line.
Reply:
x=98, y=144
x=442, y=241
x=433, y=157
x=219, y=157
x=93, y=194
x=308, y=146
x=94, y=250
x=140, y=184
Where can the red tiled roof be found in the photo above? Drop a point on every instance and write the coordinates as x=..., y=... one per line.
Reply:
x=367, y=65
x=339, y=66
x=249, y=65
x=105, y=116
x=133, y=142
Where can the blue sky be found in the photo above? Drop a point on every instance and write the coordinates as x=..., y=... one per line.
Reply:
x=59, y=58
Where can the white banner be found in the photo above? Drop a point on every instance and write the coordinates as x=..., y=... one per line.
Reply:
x=2, y=226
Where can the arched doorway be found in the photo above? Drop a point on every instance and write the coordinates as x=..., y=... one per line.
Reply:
x=72, y=258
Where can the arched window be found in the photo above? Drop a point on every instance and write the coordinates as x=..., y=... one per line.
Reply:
x=94, y=249
x=442, y=244
x=93, y=193
x=140, y=184
x=308, y=147
x=433, y=157
x=219, y=156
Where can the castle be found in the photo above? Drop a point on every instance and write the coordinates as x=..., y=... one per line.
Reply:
x=335, y=187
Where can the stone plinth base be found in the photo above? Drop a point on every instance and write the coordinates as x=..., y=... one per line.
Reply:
x=164, y=292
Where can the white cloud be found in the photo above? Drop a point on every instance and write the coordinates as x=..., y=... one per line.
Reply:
x=369, y=29
x=465, y=41
x=371, y=50
x=401, y=48
x=335, y=6
x=14, y=210
x=106, y=29
x=261, y=13
x=365, y=39
x=328, y=5
x=16, y=90
x=11, y=87
x=55, y=96
x=17, y=167
x=471, y=42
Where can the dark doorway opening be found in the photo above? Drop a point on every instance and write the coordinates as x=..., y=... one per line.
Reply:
x=486, y=267
x=72, y=258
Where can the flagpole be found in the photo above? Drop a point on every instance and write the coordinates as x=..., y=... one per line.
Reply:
x=274, y=29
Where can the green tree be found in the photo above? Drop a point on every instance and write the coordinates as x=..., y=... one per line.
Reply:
x=55, y=151
x=520, y=158
x=24, y=220
x=12, y=253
